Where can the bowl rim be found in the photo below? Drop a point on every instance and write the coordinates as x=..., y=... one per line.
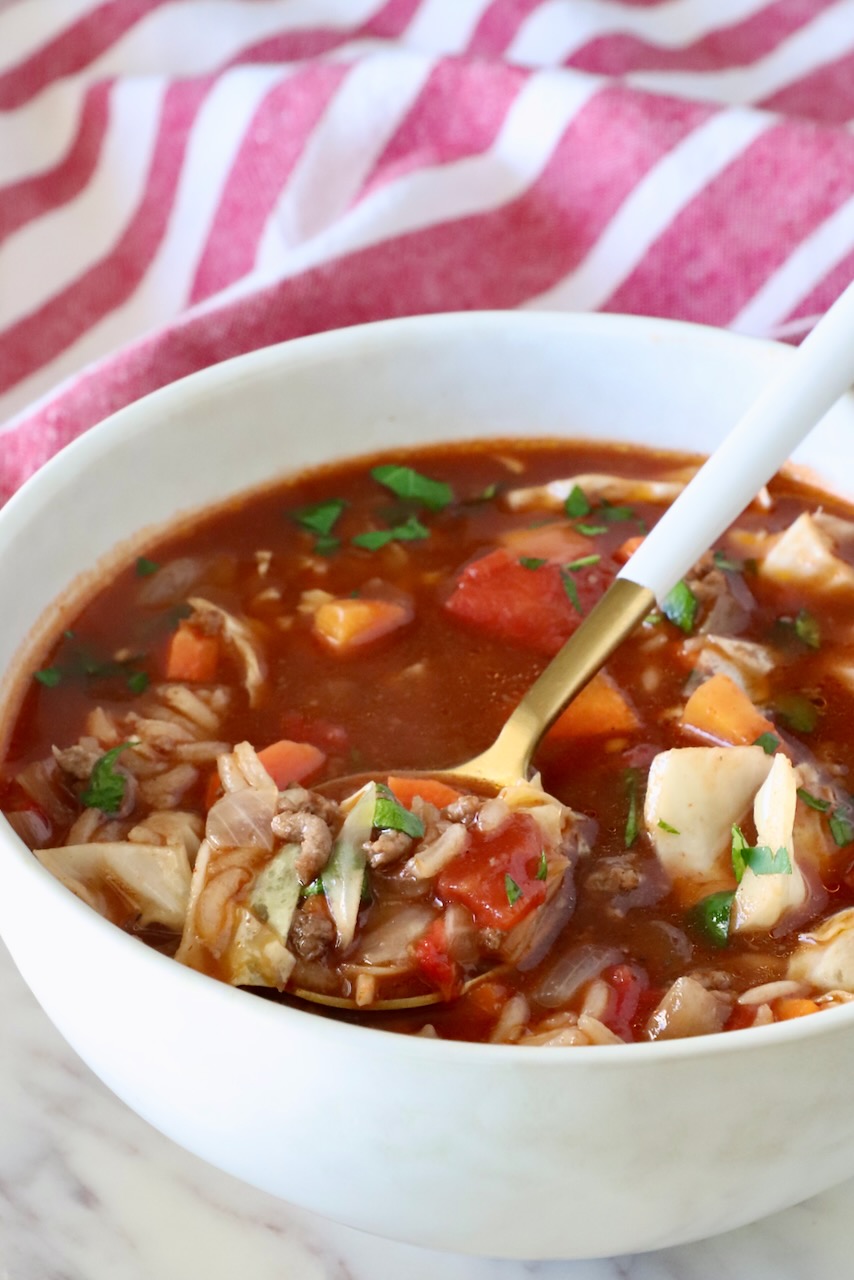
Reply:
x=320, y=348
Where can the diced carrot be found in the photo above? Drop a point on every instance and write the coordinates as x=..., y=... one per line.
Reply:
x=430, y=789
x=287, y=761
x=558, y=542
x=213, y=790
x=601, y=707
x=350, y=622
x=719, y=709
x=192, y=656
x=489, y=997
x=627, y=549
x=793, y=1007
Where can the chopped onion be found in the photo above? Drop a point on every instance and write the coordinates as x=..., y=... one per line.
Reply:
x=571, y=971
x=242, y=819
x=389, y=942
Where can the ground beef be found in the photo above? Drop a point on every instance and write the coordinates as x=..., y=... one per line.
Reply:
x=312, y=934
x=314, y=839
x=388, y=847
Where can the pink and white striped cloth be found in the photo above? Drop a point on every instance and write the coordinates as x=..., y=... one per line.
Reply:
x=184, y=180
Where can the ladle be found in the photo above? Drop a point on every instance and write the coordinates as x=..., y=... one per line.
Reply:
x=817, y=374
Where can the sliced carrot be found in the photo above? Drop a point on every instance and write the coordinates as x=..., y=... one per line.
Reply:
x=792, y=1007
x=719, y=709
x=192, y=656
x=557, y=542
x=350, y=622
x=287, y=761
x=601, y=707
x=627, y=549
x=430, y=789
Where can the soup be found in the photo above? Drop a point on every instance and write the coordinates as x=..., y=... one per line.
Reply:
x=681, y=862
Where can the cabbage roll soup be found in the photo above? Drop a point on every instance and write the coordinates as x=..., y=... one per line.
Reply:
x=680, y=863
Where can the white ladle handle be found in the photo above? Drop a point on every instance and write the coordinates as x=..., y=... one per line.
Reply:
x=821, y=370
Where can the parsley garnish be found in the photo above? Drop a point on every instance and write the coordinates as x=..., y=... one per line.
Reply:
x=592, y=530
x=615, y=515
x=145, y=567
x=723, y=561
x=582, y=563
x=576, y=503
x=841, y=828
x=571, y=591
x=531, y=562
x=797, y=711
x=631, y=782
x=680, y=606
x=411, y=531
x=138, y=682
x=768, y=742
x=320, y=518
x=711, y=915
x=512, y=889
x=48, y=676
x=390, y=815
x=813, y=801
x=406, y=483
x=665, y=826
x=761, y=859
x=543, y=866
x=807, y=629
x=106, y=789
x=311, y=890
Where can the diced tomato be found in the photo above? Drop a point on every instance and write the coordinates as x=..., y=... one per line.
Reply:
x=633, y=1000
x=435, y=964
x=479, y=880
x=330, y=737
x=529, y=607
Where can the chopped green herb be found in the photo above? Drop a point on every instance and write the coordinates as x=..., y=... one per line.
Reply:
x=711, y=916
x=48, y=676
x=513, y=891
x=808, y=629
x=576, y=503
x=652, y=619
x=680, y=606
x=768, y=742
x=411, y=531
x=592, y=530
x=326, y=543
x=320, y=517
x=630, y=778
x=406, y=483
x=531, y=562
x=797, y=711
x=543, y=866
x=390, y=815
x=813, y=801
x=614, y=515
x=571, y=590
x=761, y=859
x=313, y=889
x=145, y=567
x=582, y=563
x=723, y=561
x=841, y=828
x=665, y=826
x=106, y=789
x=138, y=682
x=485, y=495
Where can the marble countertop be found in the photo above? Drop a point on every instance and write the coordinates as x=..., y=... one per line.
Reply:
x=88, y=1191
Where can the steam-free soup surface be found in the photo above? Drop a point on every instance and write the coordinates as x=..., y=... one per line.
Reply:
x=680, y=864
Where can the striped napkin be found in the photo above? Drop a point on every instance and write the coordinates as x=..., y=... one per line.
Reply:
x=185, y=180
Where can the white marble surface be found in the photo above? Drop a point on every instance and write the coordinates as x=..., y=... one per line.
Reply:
x=88, y=1191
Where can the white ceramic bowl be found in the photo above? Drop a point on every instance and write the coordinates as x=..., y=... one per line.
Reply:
x=487, y=1149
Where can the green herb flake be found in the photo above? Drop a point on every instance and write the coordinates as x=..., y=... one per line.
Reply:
x=326, y=544
x=532, y=562
x=630, y=778
x=311, y=890
x=592, y=530
x=138, y=682
x=576, y=503
x=812, y=801
x=797, y=711
x=512, y=889
x=543, y=866
x=390, y=815
x=712, y=915
x=145, y=567
x=808, y=629
x=680, y=606
x=768, y=742
x=406, y=483
x=321, y=517
x=583, y=563
x=106, y=789
x=761, y=859
x=571, y=590
x=723, y=561
x=653, y=619
x=412, y=531
x=665, y=826
x=841, y=828
x=50, y=677
x=615, y=515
